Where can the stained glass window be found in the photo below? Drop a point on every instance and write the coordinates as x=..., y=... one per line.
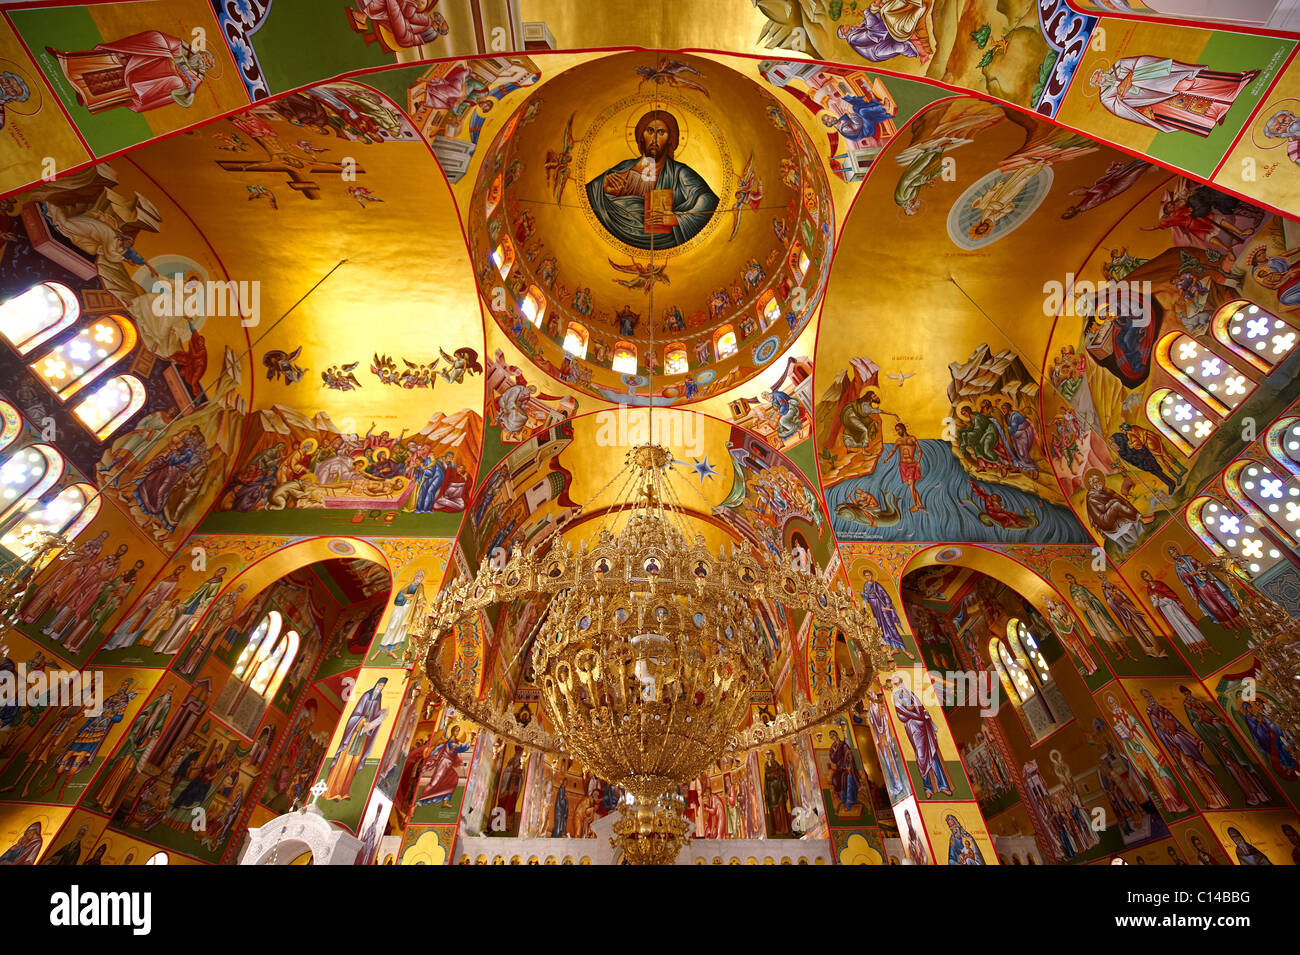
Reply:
x=67, y=513
x=1228, y=532
x=109, y=406
x=724, y=342
x=1272, y=496
x=92, y=351
x=35, y=316
x=1259, y=337
x=624, y=358
x=676, y=361
x=1179, y=420
x=25, y=475
x=1210, y=377
x=575, y=340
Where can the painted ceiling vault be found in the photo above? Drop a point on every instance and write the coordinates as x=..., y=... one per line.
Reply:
x=913, y=286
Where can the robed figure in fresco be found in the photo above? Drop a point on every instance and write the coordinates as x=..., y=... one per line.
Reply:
x=141, y=72
x=358, y=738
x=439, y=774
x=776, y=793
x=652, y=201
x=921, y=730
x=1168, y=95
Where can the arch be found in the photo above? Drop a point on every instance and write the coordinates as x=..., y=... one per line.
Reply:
x=799, y=261
x=109, y=406
x=1194, y=366
x=1179, y=420
x=284, y=839
x=1228, y=532
x=576, y=339
x=1015, y=681
x=724, y=342
x=676, y=359
x=67, y=513
x=1272, y=499
x=1283, y=443
x=1252, y=333
x=503, y=256
x=11, y=424
x=768, y=307
x=25, y=475
x=624, y=360
x=533, y=306
x=34, y=316
x=158, y=858
x=71, y=366
x=1027, y=649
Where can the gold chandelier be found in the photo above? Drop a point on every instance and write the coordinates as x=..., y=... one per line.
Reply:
x=648, y=651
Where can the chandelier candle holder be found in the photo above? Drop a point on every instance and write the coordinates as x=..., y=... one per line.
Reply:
x=17, y=577
x=649, y=650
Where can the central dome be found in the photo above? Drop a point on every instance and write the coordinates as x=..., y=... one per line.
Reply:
x=646, y=217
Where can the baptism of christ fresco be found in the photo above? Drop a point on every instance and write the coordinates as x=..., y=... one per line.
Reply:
x=653, y=201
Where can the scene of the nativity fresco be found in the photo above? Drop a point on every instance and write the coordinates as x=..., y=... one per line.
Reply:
x=591, y=432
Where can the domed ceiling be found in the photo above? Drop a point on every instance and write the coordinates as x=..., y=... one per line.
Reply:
x=909, y=285
x=678, y=222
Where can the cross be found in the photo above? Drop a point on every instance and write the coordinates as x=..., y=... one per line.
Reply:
x=318, y=789
x=280, y=159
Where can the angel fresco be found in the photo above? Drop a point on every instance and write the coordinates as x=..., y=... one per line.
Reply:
x=557, y=163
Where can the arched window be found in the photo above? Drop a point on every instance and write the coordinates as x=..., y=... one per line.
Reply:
x=1028, y=681
x=624, y=358
x=676, y=360
x=11, y=424
x=1179, y=420
x=493, y=195
x=1259, y=337
x=1267, y=496
x=576, y=338
x=259, y=671
x=1283, y=442
x=92, y=351
x=158, y=858
x=1013, y=674
x=724, y=342
x=1020, y=637
x=109, y=406
x=1212, y=379
x=799, y=261
x=263, y=636
x=67, y=513
x=1228, y=532
x=270, y=672
x=533, y=305
x=769, y=309
x=35, y=316
x=25, y=475
x=503, y=256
